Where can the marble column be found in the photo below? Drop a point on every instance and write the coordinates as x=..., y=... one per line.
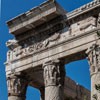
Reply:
x=94, y=61
x=54, y=75
x=17, y=87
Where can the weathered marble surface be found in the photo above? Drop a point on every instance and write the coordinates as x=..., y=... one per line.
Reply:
x=46, y=33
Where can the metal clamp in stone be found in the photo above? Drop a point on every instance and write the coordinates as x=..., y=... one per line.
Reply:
x=54, y=73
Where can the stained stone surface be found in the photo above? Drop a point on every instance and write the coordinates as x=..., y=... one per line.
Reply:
x=48, y=33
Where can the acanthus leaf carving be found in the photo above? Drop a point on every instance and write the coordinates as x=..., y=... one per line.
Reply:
x=54, y=73
x=16, y=86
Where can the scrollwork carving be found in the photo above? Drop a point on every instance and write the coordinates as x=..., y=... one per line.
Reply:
x=36, y=46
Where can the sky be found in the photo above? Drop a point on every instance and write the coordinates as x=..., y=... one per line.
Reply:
x=78, y=71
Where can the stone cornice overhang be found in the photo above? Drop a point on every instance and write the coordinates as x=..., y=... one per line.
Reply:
x=35, y=17
x=83, y=9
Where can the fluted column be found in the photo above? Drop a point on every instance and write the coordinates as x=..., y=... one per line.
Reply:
x=54, y=75
x=16, y=87
x=94, y=61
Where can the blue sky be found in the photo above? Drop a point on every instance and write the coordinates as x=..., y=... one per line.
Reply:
x=78, y=71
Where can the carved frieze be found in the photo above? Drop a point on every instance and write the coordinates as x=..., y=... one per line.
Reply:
x=54, y=73
x=16, y=86
x=19, y=51
x=83, y=26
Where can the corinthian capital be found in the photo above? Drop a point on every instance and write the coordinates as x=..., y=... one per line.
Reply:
x=16, y=86
x=54, y=73
x=94, y=58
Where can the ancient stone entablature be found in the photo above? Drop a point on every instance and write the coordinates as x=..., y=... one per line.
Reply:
x=59, y=24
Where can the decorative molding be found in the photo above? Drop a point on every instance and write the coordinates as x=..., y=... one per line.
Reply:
x=84, y=8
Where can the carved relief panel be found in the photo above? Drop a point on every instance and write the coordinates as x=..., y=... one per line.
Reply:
x=84, y=25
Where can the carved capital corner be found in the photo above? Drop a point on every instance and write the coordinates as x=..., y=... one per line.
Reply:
x=54, y=73
x=93, y=54
x=16, y=86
